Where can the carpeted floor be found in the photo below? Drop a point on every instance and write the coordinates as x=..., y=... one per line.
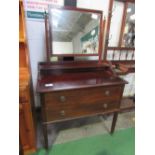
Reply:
x=120, y=143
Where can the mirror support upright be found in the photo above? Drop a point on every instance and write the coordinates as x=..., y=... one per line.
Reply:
x=47, y=38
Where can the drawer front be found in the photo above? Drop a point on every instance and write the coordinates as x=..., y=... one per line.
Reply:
x=82, y=96
x=79, y=110
x=82, y=102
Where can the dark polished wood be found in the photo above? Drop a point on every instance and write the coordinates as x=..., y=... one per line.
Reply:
x=130, y=49
x=67, y=104
x=45, y=134
x=47, y=38
x=43, y=119
x=79, y=89
x=114, y=122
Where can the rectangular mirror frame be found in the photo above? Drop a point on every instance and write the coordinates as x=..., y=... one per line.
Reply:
x=48, y=29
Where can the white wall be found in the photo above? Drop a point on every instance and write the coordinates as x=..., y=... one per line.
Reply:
x=94, y=4
x=37, y=49
x=62, y=47
x=129, y=89
x=36, y=43
x=116, y=22
x=77, y=43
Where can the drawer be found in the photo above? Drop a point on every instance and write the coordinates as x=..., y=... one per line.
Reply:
x=83, y=96
x=80, y=110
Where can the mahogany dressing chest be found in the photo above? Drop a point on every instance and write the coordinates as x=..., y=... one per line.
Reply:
x=77, y=88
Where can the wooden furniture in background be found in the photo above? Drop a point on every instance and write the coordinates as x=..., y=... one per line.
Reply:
x=26, y=125
x=125, y=66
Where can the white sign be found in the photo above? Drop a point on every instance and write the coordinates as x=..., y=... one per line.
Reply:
x=36, y=8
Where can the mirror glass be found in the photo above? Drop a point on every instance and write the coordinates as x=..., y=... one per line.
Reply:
x=128, y=39
x=74, y=32
x=115, y=23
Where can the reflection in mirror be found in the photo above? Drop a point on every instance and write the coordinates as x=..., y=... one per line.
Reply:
x=74, y=32
x=121, y=37
x=115, y=23
x=129, y=31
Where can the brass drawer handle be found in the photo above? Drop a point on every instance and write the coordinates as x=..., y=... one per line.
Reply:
x=105, y=105
x=62, y=113
x=62, y=98
x=107, y=92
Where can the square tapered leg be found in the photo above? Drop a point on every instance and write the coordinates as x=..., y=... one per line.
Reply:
x=115, y=116
x=45, y=134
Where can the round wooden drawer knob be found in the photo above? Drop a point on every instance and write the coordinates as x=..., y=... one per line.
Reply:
x=105, y=105
x=107, y=92
x=62, y=98
x=62, y=113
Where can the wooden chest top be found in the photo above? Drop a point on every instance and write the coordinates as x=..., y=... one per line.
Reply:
x=78, y=80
